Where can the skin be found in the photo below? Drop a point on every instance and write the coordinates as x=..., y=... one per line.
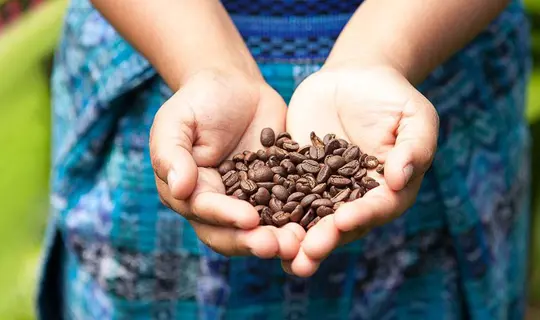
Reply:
x=364, y=93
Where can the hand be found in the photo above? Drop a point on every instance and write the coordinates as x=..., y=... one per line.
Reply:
x=377, y=109
x=212, y=117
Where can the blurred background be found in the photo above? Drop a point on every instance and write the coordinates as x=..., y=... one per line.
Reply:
x=29, y=31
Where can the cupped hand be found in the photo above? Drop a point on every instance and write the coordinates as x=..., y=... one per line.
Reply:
x=213, y=116
x=377, y=109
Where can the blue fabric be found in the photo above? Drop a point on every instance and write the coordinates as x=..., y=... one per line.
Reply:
x=114, y=252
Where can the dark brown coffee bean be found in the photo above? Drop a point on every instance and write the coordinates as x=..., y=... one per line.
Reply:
x=280, y=153
x=324, y=211
x=279, y=171
x=281, y=218
x=316, y=153
x=297, y=214
x=297, y=196
x=291, y=145
x=380, y=169
x=275, y=205
x=315, y=140
x=355, y=194
x=226, y=166
x=268, y=137
x=307, y=218
x=349, y=169
x=273, y=161
x=297, y=157
x=290, y=206
x=250, y=156
x=335, y=162
x=333, y=191
x=319, y=189
x=339, y=181
x=342, y=195
x=287, y=183
x=280, y=192
x=331, y=146
x=363, y=159
x=313, y=222
x=248, y=186
x=326, y=195
x=278, y=179
x=266, y=215
x=259, y=208
x=262, y=174
x=360, y=174
x=303, y=150
x=311, y=181
x=324, y=174
x=232, y=188
x=240, y=166
x=289, y=166
x=303, y=188
x=230, y=178
x=351, y=153
x=238, y=157
x=293, y=177
x=337, y=205
x=292, y=188
x=371, y=162
x=311, y=166
x=369, y=183
x=256, y=164
x=307, y=200
x=328, y=137
x=267, y=185
x=242, y=175
x=322, y=203
x=283, y=135
x=343, y=143
x=240, y=195
x=261, y=154
x=339, y=151
x=281, y=141
x=262, y=196
x=299, y=169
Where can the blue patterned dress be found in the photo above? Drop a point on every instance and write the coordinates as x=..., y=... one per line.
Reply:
x=114, y=252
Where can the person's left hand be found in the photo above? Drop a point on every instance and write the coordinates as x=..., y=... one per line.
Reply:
x=377, y=109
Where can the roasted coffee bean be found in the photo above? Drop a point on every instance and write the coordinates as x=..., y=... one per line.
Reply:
x=343, y=143
x=230, y=178
x=268, y=137
x=289, y=166
x=279, y=171
x=322, y=202
x=293, y=177
x=311, y=181
x=307, y=218
x=324, y=211
x=292, y=188
x=315, y=140
x=339, y=181
x=256, y=164
x=335, y=162
x=331, y=146
x=313, y=222
x=290, y=206
x=328, y=137
x=355, y=194
x=261, y=154
x=242, y=175
x=275, y=204
x=267, y=185
x=299, y=169
x=333, y=191
x=360, y=174
x=273, y=161
x=297, y=157
x=262, y=196
x=369, y=183
x=261, y=174
x=303, y=188
x=297, y=196
x=283, y=135
x=226, y=166
x=281, y=218
x=291, y=145
x=363, y=159
x=308, y=200
x=349, y=169
x=316, y=153
x=240, y=195
x=371, y=162
x=240, y=166
x=259, y=208
x=287, y=183
x=297, y=213
x=278, y=179
x=281, y=153
x=351, y=153
x=324, y=174
x=250, y=156
x=342, y=195
x=303, y=150
x=337, y=205
x=310, y=166
x=280, y=192
x=339, y=152
x=232, y=188
x=238, y=157
x=248, y=186
x=266, y=215
x=281, y=141
x=326, y=195
x=319, y=189
x=380, y=169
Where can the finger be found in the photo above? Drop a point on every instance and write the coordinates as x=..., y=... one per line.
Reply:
x=286, y=266
x=303, y=266
x=299, y=232
x=171, y=141
x=321, y=239
x=288, y=243
x=260, y=242
x=415, y=145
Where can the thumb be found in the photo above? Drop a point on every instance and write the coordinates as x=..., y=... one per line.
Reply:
x=416, y=143
x=171, y=145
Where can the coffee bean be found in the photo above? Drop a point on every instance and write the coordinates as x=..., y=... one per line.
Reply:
x=333, y=191
x=380, y=169
x=303, y=188
x=290, y=206
x=262, y=174
x=299, y=169
x=238, y=157
x=351, y=153
x=280, y=218
x=307, y=218
x=326, y=195
x=248, y=186
x=369, y=183
x=311, y=166
x=275, y=205
x=262, y=196
x=319, y=189
x=297, y=157
x=267, y=185
x=283, y=135
x=313, y=222
x=339, y=152
x=349, y=169
x=291, y=145
x=226, y=166
x=261, y=154
x=266, y=215
x=278, y=179
x=287, y=183
x=355, y=194
x=242, y=175
x=308, y=200
x=232, y=188
x=324, y=211
x=331, y=146
x=259, y=208
x=311, y=181
x=328, y=137
x=291, y=188
x=324, y=174
x=343, y=143
x=289, y=166
x=267, y=137
x=316, y=153
x=240, y=166
x=371, y=162
x=297, y=213
x=240, y=195
x=321, y=203
x=297, y=196
x=360, y=174
x=335, y=162
x=280, y=192
x=363, y=159
x=279, y=171
x=342, y=195
x=230, y=178
x=315, y=140
x=281, y=141
x=339, y=181
x=293, y=177
x=273, y=161
x=303, y=150
x=250, y=156
x=256, y=164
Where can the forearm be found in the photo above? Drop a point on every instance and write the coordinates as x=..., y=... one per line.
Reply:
x=414, y=36
x=181, y=38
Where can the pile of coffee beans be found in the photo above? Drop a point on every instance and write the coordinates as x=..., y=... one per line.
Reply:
x=289, y=183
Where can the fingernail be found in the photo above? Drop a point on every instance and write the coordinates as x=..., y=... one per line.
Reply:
x=407, y=173
x=171, y=179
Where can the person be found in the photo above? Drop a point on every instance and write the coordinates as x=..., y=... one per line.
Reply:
x=149, y=96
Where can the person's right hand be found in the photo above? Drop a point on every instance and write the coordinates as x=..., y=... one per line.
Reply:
x=211, y=118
